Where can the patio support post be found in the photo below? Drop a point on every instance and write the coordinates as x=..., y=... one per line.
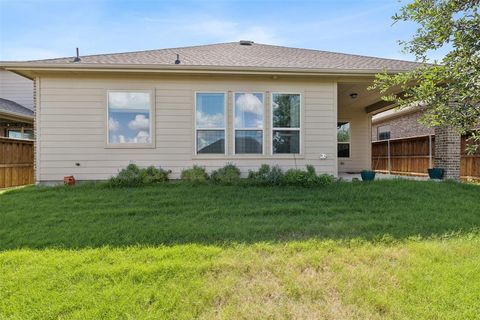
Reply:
x=447, y=151
x=430, y=162
x=388, y=159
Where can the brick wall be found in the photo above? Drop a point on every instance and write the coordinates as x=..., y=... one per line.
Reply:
x=403, y=126
x=447, y=151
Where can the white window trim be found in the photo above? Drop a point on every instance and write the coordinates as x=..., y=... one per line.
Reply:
x=350, y=139
x=225, y=122
x=299, y=129
x=249, y=129
x=150, y=145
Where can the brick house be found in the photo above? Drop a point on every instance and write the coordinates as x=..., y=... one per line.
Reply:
x=396, y=124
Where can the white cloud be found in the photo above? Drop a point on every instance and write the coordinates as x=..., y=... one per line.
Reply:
x=127, y=101
x=117, y=139
x=210, y=120
x=249, y=102
x=140, y=123
x=141, y=137
x=249, y=111
x=113, y=125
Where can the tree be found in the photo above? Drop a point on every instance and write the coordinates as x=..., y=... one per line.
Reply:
x=448, y=89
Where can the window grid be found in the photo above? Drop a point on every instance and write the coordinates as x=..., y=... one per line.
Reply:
x=296, y=129
x=223, y=128
x=346, y=143
x=262, y=129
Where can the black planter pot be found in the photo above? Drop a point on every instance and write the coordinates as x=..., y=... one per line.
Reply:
x=435, y=173
x=368, y=175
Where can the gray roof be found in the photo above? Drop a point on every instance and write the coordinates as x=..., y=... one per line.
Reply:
x=11, y=107
x=233, y=54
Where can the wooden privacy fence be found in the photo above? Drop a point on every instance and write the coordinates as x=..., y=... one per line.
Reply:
x=16, y=162
x=413, y=156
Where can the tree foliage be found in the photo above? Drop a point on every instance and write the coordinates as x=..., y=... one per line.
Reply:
x=448, y=89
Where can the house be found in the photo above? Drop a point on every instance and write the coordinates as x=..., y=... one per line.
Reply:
x=241, y=102
x=396, y=124
x=16, y=106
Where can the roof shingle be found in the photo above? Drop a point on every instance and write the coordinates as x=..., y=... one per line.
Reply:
x=233, y=54
x=11, y=107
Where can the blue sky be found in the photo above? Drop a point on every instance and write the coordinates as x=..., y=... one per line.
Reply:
x=38, y=29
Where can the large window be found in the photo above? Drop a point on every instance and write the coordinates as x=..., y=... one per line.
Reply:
x=130, y=118
x=210, y=123
x=343, y=139
x=285, y=123
x=248, y=122
x=384, y=132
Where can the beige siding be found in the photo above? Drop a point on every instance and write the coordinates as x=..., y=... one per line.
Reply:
x=360, y=144
x=16, y=88
x=73, y=125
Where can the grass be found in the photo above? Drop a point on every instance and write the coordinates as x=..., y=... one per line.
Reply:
x=382, y=250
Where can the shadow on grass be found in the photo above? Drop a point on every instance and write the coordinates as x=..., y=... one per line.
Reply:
x=93, y=216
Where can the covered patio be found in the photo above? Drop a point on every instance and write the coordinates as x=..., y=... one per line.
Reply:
x=356, y=106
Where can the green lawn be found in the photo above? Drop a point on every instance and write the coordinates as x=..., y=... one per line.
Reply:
x=382, y=250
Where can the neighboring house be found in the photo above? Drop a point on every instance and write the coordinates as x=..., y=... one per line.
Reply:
x=242, y=102
x=396, y=124
x=16, y=106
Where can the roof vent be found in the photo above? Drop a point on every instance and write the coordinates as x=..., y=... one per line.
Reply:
x=246, y=42
x=77, y=58
x=178, y=59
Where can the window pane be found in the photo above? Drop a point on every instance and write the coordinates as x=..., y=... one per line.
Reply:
x=15, y=134
x=210, y=110
x=286, y=110
x=343, y=150
x=286, y=141
x=210, y=141
x=343, y=132
x=248, y=110
x=384, y=135
x=383, y=132
x=129, y=117
x=248, y=141
x=28, y=134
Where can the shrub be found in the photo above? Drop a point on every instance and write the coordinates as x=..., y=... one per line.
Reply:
x=156, y=175
x=133, y=176
x=266, y=175
x=195, y=175
x=309, y=178
x=297, y=177
x=325, y=179
x=228, y=175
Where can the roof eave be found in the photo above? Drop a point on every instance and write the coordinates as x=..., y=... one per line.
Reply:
x=149, y=68
x=19, y=116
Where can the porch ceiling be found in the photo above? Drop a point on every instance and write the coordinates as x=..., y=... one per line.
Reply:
x=370, y=100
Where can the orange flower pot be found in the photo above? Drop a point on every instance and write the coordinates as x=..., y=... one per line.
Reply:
x=69, y=180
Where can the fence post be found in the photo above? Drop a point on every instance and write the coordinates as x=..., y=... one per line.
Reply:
x=388, y=151
x=430, y=151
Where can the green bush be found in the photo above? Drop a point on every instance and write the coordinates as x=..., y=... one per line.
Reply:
x=308, y=178
x=195, y=175
x=266, y=175
x=297, y=177
x=325, y=179
x=155, y=175
x=228, y=175
x=133, y=176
